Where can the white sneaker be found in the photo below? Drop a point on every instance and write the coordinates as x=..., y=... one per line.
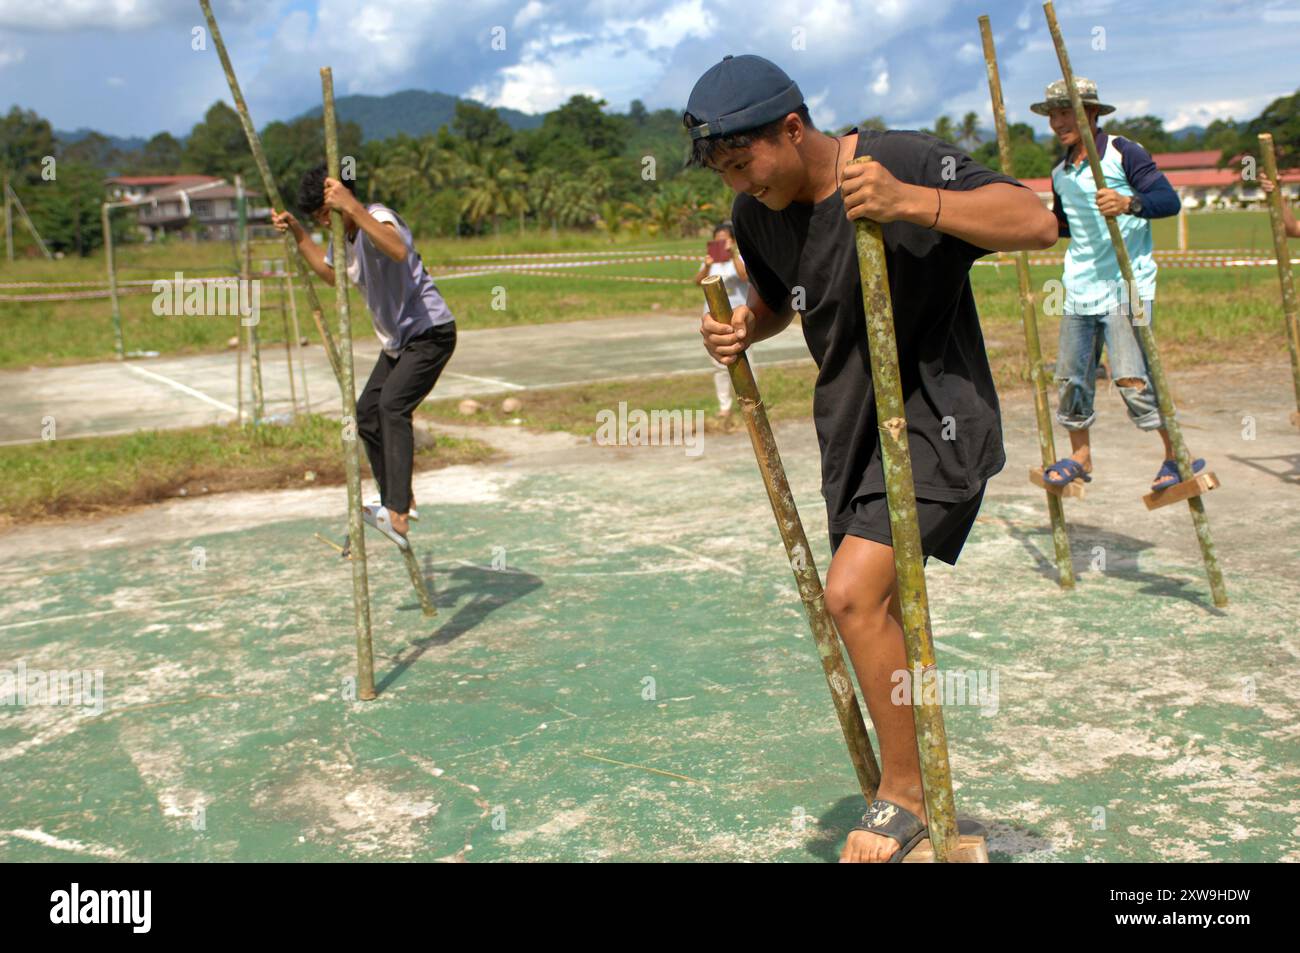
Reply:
x=413, y=515
x=377, y=516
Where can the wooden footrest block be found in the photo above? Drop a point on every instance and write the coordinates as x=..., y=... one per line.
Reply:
x=1072, y=489
x=971, y=849
x=1203, y=482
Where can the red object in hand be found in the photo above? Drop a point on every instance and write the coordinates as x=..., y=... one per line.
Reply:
x=718, y=251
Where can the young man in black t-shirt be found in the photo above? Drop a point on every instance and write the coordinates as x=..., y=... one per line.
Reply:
x=940, y=211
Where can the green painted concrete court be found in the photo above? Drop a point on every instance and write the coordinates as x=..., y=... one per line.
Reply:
x=1133, y=720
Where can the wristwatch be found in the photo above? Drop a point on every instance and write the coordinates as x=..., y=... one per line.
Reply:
x=1134, y=205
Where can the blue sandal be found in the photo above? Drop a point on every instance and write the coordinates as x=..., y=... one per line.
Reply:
x=1071, y=470
x=1170, y=469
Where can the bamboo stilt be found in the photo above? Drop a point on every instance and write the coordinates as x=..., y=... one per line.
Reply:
x=1283, y=255
x=297, y=340
x=1029, y=320
x=800, y=557
x=418, y=583
x=9, y=223
x=351, y=445
x=1164, y=395
x=288, y=351
x=110, y=264
x=239, y=370
x=246, y=278
x=909, y=568
x=272, y=190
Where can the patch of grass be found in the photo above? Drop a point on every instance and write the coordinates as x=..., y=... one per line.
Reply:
x=786, y=389
x=96, y=474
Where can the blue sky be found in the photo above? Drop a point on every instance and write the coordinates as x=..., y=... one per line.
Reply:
x=126, y=67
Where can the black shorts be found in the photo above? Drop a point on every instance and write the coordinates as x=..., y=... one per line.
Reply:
x=944, y=524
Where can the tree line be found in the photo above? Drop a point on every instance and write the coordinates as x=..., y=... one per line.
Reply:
x=583, y=167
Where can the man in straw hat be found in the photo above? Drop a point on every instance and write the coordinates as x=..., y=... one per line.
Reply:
x=1097, y=306
x=797, y=197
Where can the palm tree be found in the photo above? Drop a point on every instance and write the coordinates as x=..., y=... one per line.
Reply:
x=415, y=169
x=970, y=131
x=495, y=186
x=943, y=129
x=544, y=194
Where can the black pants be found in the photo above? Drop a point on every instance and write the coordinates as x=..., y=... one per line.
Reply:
x=396, y=387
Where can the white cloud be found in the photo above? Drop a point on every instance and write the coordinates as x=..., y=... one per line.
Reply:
x=11, y=55
x=530, y=11
x=115, y=81
x=1203, y=113
x=669, y=27
x=84, y=14
x=880, y=85
x=532, y=87
x=822, y=115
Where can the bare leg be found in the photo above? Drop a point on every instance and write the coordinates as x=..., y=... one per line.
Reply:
x=862, y=597
x=1080, y=450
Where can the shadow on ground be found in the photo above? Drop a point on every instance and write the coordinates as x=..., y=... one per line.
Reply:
x=482, y=591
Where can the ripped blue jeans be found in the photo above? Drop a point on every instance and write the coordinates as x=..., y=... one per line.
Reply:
x=1082, y=336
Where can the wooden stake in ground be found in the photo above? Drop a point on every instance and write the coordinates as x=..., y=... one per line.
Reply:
x=351, y=445
x=9, y=223
x=27, y=220
x=1143, y=327
x=1269, y=157
x=272, y=190
x=1029, y=320
x=288, y=347
x=118, y=340
x=800, y=556
x=252, y=320
x=909, y=569
x=297, y=337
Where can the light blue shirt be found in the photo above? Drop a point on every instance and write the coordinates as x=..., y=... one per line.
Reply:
x=1092, y=279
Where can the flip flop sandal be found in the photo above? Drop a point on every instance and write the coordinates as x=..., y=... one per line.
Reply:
x=377, y=517
x=1069, y=469
x=895, y=821
x=1170, y=469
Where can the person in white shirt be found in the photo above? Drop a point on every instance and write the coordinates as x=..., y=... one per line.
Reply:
x=736, y=281
x=415, y=328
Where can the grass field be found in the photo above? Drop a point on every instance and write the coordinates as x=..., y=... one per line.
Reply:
x=77, y=477
x=1214, y=312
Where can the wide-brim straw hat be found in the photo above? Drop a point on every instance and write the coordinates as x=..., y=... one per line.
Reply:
x=1057, y=97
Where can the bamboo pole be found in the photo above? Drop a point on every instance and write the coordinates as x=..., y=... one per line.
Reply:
x=1283, y=254
x=119, y=342
x=288, y=350
x=272, y=190
x=418, y=583
x=1029, y=320
x=1164, y=395
x=1182, y=224
x=800, y=557
x=31, y=226
x=909, y=567
x=246, y=279
x=297, y=339
x=351, y=446
x=239, y=370
x=9, y=223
